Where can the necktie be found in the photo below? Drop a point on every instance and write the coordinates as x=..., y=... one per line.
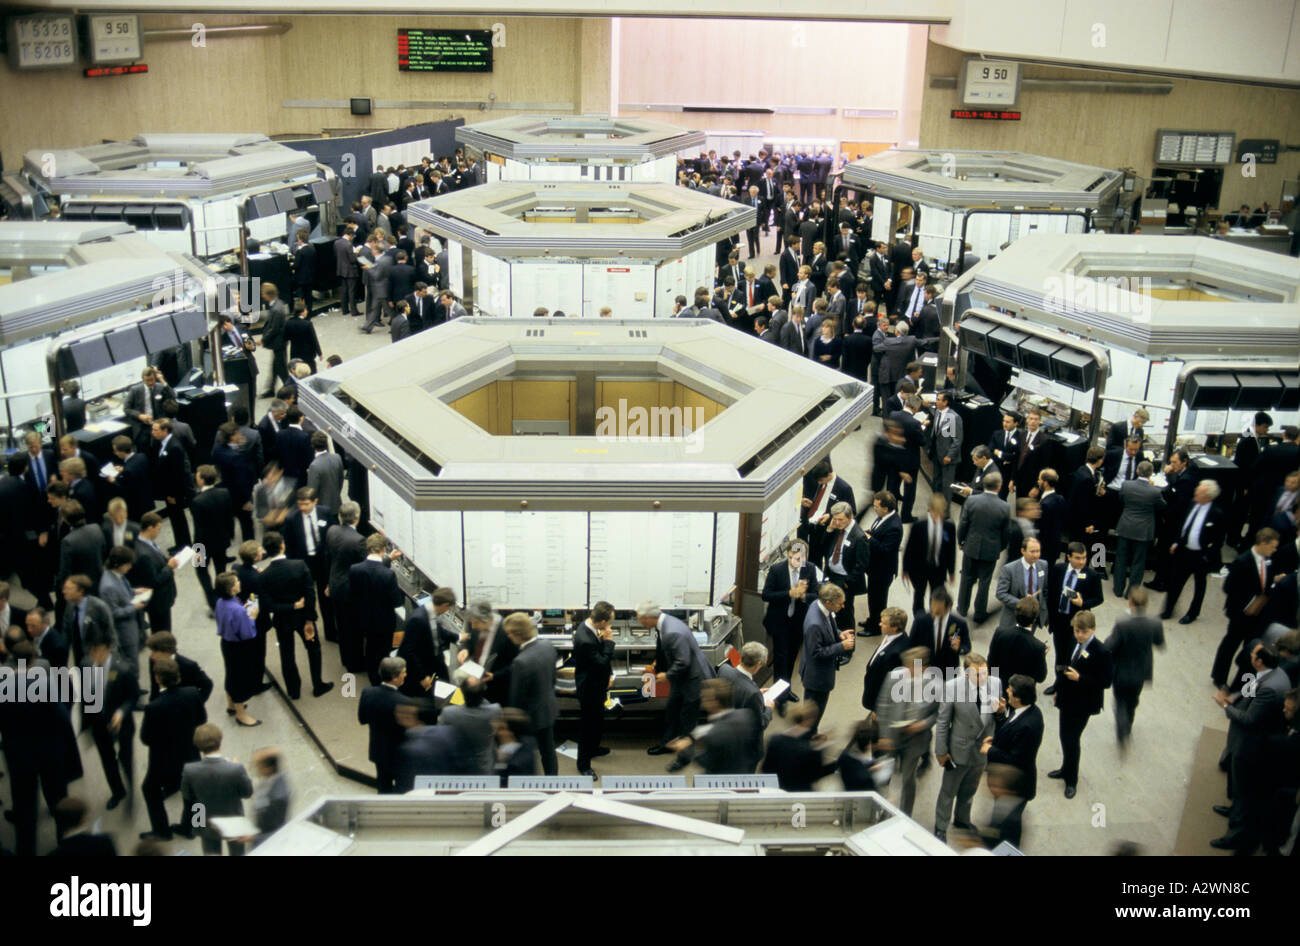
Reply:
x=310, y=522
x=938, y=636
x=39, y=467
x=1128, y=474
x=794, y=580
x=817, y=500
x=936, y=540
x=1263, y=574
x=1032, y=589
x=1067, y=593
x=839, y=544
x=1074, y=656
x=979, y=699
x=1191, y=522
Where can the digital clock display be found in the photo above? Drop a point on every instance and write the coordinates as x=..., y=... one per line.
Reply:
x=112, y=38
x=988, y=83
x=37, y=42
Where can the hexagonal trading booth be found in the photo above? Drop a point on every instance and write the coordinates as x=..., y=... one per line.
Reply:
x=1199, y=332
x=578, y=148
x=548, y=464
x=513, y=247
x=985, y=198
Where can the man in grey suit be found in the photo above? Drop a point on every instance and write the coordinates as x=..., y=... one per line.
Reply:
x=214, y=786
x=1251, y=720
x=945, y=440
x=791, y=336
x=982, y=534
x=325, y=472
x=474, y=727
x=823, y=646
x=452, y=308
x=896, y=353
x=118, y=596
x=1026, y=577
x=906, y=711
x=682, y=666
x=86, y=620
x=1141, y=500
x=532, y=684
x=375, y=273
x=965, y=721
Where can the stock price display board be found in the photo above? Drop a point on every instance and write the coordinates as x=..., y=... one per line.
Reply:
x=444, y=50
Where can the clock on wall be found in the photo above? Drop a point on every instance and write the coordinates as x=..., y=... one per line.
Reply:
x=990, y=82
x=42, y=41
x=113, y=38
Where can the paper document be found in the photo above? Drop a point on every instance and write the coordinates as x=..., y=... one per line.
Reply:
x=473, y=669
x=235, y=826
x=108, y=471
x=143, y=596
x=775, y=690
x=184, y=557
x=443, y=691
x=569, y=750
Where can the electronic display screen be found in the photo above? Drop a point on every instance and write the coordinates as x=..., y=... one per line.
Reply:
x=444, y=50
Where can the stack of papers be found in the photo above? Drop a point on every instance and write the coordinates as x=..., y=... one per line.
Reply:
x=143, y=596
x=184, y=557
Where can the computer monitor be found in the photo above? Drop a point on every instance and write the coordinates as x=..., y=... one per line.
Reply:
x=125, y=343
x=159, y=334
x=264, y=205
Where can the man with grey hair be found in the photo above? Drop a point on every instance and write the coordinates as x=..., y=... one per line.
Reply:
x=1140, y=500
x=824, y=644
x=746, y=695
x=1197, y=551
x=982, y=534
x=378, y=710
x=532, y=684
x=486, y=644
x=679, y=663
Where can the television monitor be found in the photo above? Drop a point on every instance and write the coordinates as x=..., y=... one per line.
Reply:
x=421, y=50
x=285, y=201
x=1257, y=392
x=1074, y=369
x=169, y=217
x=1036, y=356
x=108, y=212
x=125, y=343
x=264, y=205
x=1289, y=399
x=89, y=355
x=1004, y=344
x=322, y=192
x=360, y=106
x=159, y=334
x=190, y=324
x=1211, y=391
x=139, y=216
x=975, y=335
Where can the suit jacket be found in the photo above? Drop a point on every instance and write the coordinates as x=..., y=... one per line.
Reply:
x=377, y=710
x=295, y=540
x=219, y=785
x=822, y=649
x=399, y=327
x=346, y=547
x=83, y=490
x=214, y=518
x=1088, y=587
x=884, y=539
x=532, y=683
x=1084, y=505
x=839, y=492
x=591, y=670
x=325, y=475
x=374, y=593
x=283, y=582
x=727, y=745
x=96, y=627
x=1252, y=719
x=982, y=530
x=1116, y=460
x=52, y=646
x=300, y=335
x=293, y=450
x=1018, y=651
x=192, y=675
x=81, y=552
x=746, y=697
x=1051, y=521
x=266, y=430
x=1130, y=649
x=683, y=661
x=1006, y=451
x=273, y=331
x=888, y=657
x=946, y=436
x=895, y=354
x=1213, y=531
x=117, y=598
x=141, y=400
x=1096, y=672
x=856, y=354
x=1243, y=584
x=964, y=720
x=1015, y=743
x=795, y=761
x=1012, y=587
x=776, y=592
x=304, y=265
x=401, y=280
x=942, y=656
x=977, y=479
x=899, y=704
x=168, y=730
x=171, y=472
x=917, y=552
x=1142, y=501
x=423, y=641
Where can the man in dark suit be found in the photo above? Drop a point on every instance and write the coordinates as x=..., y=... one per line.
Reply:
x=1031, y=454
x=887, y=656
x=896, y=353
x=532, y=684
x=982, y=532
x=133, y=481
x=1084, y=520
x=168, y=730
x=274, y=339
x=72, y=825
x=288, y=595
x=374, y=593
x=1120, y=466
x=162, y=646
x=789, y=590
x=216, y=786
x=1052, y=512
x=269, y=427
x=306, y=531
x=857, y=349
x=982, y=460
x=1245, y=599
x=110, y=717
x=1005, y=447
x=293, y=446
x=746, y=695
x=144, y=403
x=214, y=527
x=173, y=482
x=593, y=650
x=1080, y=694
x=1072, y=587
x=346, y=547
x=17, y=518
x=1018, y=735
x=86, y=619
x=1246, y=458
x=1130, y=646
x=789, y=267
x=156, y=571
x=943, y=632
x=378, y=710
x=825, y=644
x=679, y=663
x=726, y=745
x=842, y=550
x=75, y=471
x=304, y=270
x=348, y=269
x=884, y=539
x=1120, y=431
x=930, y=556
x=1272, y=469
x=420, y=305
x=1015, y=650
x=82, y=550
x=902, y=480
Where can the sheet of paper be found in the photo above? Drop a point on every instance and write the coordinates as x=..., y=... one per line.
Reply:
x=235, y=826
x=473, y=669
x=569, y=749
x=143, y=597
x=774, y=692
x=443, y=691
x=184, y=557
x=108, y=471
